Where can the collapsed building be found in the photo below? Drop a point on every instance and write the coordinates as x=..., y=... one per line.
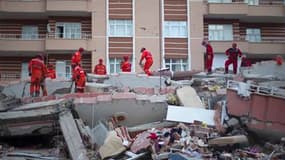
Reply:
x=167, y=116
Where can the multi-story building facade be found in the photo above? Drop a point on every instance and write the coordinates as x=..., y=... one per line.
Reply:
x=109, y=29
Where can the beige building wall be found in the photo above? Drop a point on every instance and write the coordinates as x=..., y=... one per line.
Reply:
x=98, y=43
x=196, y=34
x=147, y=28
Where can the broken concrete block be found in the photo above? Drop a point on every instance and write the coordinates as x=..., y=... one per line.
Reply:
x=99, y=134
x=97, y=87
x=189, y=97
x=112, y=146
x=141, y=142
x=230, y=140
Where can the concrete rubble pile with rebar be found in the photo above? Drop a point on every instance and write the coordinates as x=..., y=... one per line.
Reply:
x=185, y=115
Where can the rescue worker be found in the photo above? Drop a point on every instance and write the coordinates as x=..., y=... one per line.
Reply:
x=38, y=72
x=100, y=68
x=232, y=54
x=209, y=56
x=126, y=65
x=80, y=79
x=245, y=62
x=76, y=60
x=51, y=71
x=148, y=61
x=279, y=60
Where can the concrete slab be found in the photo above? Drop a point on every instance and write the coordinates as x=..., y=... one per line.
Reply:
x=138, y=110
x=189, y=115
x=189, y=97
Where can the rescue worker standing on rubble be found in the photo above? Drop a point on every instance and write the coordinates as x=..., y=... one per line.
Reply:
x=80, y=79
x=100, y=68
x=148, y=61
x=232, y=54
x=76, y=60
x=38, y=72
x=209, y=56
x=126, y=65
x=51, y=71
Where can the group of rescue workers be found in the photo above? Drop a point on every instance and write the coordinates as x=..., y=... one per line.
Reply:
x=38, y=71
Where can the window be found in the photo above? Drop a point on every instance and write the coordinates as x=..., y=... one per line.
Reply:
x=219, y=32
x=219, y=1
x=175, y=29
x=253, y=35
x=115, y=65
x=252, y=2
x=30, y=32
x=63, y=70
x=121, y=28
x=176, y=64
x=68, y=30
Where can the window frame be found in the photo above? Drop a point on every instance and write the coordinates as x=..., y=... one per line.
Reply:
x=67, y=30
x=115, y=62
x=30, y=34
x=182, y=62
x=114, y=27
x=219, y=33
x=169, y=27
x=253, y=36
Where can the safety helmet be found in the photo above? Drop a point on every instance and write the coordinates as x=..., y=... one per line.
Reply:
x=143, y=49
x=81, y=49
x=126, y=58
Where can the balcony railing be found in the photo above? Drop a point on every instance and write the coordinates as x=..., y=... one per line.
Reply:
x=249, y=2
x=258, y=40
x=82, y=35
x=9, y=76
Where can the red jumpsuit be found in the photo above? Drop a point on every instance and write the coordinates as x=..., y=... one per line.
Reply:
x=126, y=66
x=51, y=73
x=100, y=69
x=80, y=79
x=245, y=62
x=148, y=61
x=209, y=57
x=232, y=54
x=75, y=61
x=38, y=72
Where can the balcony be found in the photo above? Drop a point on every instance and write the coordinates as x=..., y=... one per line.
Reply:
x=23, y=6
x=42, y=42
x=267, y=45
x=15, y=42
x=67, y=5
x=68, y=41
x=271, y=8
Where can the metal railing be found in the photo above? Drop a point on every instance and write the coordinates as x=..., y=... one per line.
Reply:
x=9, y=36
x=259, y=40
x=248, y=2
x=272, y=91
x=9, y=76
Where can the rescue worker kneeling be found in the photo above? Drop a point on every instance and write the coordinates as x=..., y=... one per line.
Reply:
x=38, y=72
x=80, y=79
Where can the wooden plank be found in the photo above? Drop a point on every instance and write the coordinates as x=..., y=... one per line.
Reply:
x=72, y=137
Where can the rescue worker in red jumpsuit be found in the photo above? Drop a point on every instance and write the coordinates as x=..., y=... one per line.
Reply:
x=80, y=79
x=38, y=72
x=279, y=60
x=209, y=56
x=245, y=62
x=51, y=71
x=232, y=54
x=126, y=65
x=100, y=68
x=148, y=61
x=76, y=60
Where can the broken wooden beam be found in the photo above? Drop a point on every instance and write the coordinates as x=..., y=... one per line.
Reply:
x=72, y=136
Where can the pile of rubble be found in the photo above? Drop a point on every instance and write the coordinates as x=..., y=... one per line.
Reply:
x=176, y=116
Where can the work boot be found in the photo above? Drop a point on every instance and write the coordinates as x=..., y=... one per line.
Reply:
x=37, y=94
